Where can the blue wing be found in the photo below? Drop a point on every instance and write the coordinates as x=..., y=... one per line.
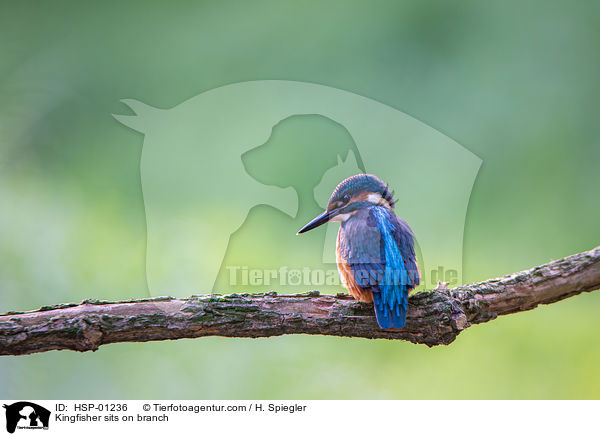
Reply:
x=404, y=238
x=382, y=257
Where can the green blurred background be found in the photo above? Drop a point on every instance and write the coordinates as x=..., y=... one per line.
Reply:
x=515, y=82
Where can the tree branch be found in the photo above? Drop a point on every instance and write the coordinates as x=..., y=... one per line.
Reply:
x=434, y=318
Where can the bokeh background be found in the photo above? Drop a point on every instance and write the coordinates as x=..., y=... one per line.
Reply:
x=515, y=82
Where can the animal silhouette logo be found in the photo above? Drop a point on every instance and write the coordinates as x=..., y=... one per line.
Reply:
x=191, y=157
x=27, y=415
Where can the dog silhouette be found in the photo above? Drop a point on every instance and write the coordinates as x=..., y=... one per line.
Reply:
x=28, y=411
x=197, y=192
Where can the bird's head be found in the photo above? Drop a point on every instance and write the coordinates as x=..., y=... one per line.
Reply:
x=351, y=195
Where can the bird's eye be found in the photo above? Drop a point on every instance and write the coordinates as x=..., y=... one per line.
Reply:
x=346, y=198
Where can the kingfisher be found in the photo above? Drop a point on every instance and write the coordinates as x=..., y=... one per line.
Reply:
x=375, y=249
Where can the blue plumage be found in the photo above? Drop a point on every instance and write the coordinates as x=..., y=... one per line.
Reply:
x=378, y=248
x=375, y=248
x=391, y=302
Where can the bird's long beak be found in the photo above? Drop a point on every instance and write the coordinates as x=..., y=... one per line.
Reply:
x=318, y=221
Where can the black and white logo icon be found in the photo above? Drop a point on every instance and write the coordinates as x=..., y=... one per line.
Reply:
x=26, y=415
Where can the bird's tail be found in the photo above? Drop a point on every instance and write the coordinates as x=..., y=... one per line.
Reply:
x=391, y=302
x=390, y=316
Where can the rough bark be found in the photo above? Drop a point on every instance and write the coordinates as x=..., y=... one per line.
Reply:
x=434, y=317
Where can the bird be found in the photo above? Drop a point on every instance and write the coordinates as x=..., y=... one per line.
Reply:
x=375, y=249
